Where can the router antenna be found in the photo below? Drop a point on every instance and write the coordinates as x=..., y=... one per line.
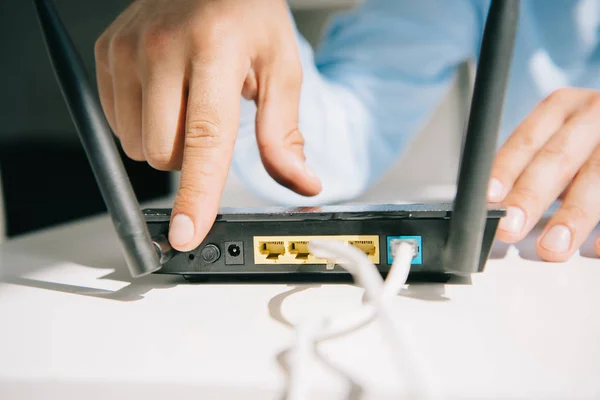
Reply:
x=96, y=137
x=467, y=223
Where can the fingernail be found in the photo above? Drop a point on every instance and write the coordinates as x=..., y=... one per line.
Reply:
x=496, y=191
x=181, y=231
x=557, y=239
x=514, y=220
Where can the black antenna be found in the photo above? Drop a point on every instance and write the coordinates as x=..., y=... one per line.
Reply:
x=467, y=223
x=96, y=137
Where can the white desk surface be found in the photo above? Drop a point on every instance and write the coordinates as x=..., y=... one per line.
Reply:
x=73, y=325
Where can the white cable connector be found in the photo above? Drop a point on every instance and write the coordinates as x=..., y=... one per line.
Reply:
x=378, y=293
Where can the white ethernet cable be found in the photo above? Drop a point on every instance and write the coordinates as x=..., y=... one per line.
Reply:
x=378, y=293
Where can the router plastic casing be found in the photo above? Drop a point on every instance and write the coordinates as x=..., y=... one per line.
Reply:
x=371, y=228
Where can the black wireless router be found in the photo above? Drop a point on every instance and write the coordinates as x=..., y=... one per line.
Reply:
x=448, y=239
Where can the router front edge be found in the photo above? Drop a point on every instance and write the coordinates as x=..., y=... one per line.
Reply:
x=272, y=242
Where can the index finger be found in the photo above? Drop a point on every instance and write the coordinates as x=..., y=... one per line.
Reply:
x=212, y=121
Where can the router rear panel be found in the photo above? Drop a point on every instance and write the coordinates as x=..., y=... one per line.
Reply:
x=233, y=246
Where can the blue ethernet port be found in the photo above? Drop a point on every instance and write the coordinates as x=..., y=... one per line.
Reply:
x=417, y=244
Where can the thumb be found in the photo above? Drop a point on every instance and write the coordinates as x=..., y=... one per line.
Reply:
x=280, y=142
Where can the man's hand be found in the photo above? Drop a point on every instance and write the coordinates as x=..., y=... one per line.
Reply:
x=171, y=74
x=554, y=153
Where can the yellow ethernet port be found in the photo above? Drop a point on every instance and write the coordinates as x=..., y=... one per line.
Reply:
x=299, y=250
x=272, y=250
x=294, y=249
x=368, y=246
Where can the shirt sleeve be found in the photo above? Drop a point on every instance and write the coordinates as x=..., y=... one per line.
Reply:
x=379, y=73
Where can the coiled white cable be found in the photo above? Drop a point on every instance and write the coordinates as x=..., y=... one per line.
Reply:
x=378, y=293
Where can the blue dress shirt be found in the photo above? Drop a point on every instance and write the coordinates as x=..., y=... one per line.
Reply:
x=383, y=68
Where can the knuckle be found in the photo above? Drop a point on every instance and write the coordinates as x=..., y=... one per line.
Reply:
x=294, y=138
x=101, y=50
x=122, y=47
x=526, y=197
x=133, y=151
x=594, y=103
x=160, y=160
x=525, y=141
x=555, y=154
x=505, y=172
x=265, y=146
x=156, y=40
x=203, y=134
x=213, y=34
x=188, y=195
x=575, y=212
x=558, y=95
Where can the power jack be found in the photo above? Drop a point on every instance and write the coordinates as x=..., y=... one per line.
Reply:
x=234, y=250
x=235, y=253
